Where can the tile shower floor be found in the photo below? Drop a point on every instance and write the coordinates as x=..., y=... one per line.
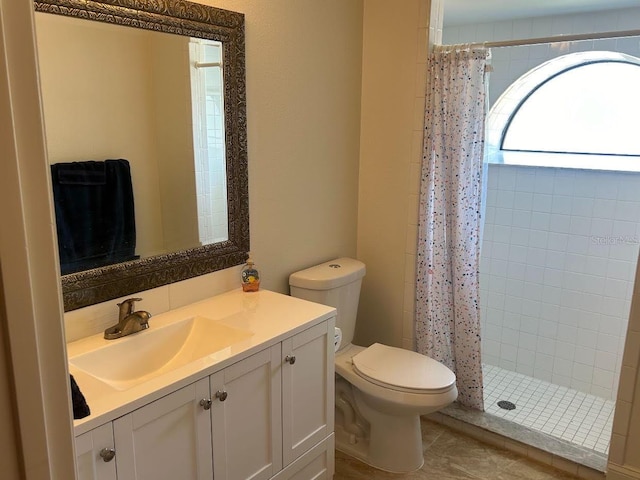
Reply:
x=577, y=417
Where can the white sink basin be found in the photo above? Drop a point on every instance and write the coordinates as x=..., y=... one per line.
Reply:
x=129, y=361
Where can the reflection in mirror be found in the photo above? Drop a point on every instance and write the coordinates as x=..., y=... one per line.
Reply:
x=168, y=111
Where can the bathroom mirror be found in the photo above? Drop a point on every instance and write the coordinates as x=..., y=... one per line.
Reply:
x=180, y=26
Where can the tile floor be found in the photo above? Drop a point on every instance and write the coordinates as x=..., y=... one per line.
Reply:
x=577, y=417
x=450, y=455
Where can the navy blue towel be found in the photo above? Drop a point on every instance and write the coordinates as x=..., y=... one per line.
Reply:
x=80, y=407
x=95, y=215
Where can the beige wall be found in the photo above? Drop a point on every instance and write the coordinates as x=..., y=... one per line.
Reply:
x=84, y=67
x=174, y=141
x=303, y=112
x=303, y=60
x=303, y=92
x=394, y=52
x=303, y=88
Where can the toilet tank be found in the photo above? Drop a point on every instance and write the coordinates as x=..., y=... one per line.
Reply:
x=335, y=283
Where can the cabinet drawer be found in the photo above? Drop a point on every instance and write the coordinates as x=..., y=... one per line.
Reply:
x=316, y=464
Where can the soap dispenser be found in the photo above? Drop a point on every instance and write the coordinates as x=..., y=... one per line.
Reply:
x=250, y=277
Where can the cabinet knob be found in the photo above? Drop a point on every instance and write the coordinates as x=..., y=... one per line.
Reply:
x=221, y=395
x=205, y=403
x=107, y=454
x=290, y=359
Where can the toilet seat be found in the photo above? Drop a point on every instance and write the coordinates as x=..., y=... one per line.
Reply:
x=402, y=370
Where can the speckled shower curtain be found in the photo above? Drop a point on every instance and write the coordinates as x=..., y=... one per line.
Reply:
x=447, y=305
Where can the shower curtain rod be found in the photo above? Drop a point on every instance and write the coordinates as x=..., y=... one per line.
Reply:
x=559, y=39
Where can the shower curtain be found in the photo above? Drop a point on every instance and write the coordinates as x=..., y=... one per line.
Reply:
x=447, y=291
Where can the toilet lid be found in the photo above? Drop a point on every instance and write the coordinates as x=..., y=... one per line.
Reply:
x=402, y=369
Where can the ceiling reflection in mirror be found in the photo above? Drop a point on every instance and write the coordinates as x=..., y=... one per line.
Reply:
x=146, y=136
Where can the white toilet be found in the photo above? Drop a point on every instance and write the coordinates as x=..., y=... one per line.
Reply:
x=381, y=391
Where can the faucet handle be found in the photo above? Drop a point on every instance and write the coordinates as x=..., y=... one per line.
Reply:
x=126, y=306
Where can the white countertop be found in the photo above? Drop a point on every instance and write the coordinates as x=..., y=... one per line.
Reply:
x=270, y=316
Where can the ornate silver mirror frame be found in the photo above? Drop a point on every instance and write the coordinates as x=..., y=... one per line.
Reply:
x=193, y=20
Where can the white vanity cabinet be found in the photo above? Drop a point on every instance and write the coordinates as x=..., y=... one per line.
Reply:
x=95, y=454
x=307, y=390
x=246, y=418
x=166, y=439
x=269, y=415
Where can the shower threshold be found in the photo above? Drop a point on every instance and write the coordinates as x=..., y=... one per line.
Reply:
x=538, y=436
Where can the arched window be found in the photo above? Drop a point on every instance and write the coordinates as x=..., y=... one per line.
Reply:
x=576, y=111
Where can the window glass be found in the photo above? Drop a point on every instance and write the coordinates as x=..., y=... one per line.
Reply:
x=591, y=108
x=575, y=111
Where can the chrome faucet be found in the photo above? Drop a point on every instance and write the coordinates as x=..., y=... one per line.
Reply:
x=128, y=321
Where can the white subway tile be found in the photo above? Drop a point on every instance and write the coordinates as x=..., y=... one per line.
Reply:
x=619, y=270
x=542, y=202
x=500, y=251
x=586, y=338
x=527, y=341
x=517, y=253
x=543, y=186
x=570, y=317
x=580, y=225
x=565, y=351
x=595, y=266
x=519, y=236
x=506, y=198
x=516, y=271
x=540, y=221
x=537, y=256
x=544, y=363
x=584, y=355
x=582, y=373
x=625, y=229
x=590, y=320
x=534, y=274
x=561, y=204
x=497, y=267
x=578, y=244
x=546, y=346
x=550, y=312
x=509, y=336
x=490, y=347
x=533, y=291
x=500, y=233
x=521, y=219
x=558, y=241
x=529, y=324
x=603, y=378
x=514, y=288
x=562, y=367
x=508, y=352
x=606, y=361
x=607, y=343
x=603, y=208
x=559, y=223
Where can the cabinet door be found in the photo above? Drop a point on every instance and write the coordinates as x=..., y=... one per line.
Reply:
x=168, y=439
x=89, y=447
x=246, y=418
x=307, y=389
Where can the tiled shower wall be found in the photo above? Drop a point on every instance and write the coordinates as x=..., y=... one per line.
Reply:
x=557, y=270
x=509, y=64
x=560, y=245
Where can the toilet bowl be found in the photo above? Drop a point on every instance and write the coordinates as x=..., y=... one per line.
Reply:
x=381, y=391
x=390, y=403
